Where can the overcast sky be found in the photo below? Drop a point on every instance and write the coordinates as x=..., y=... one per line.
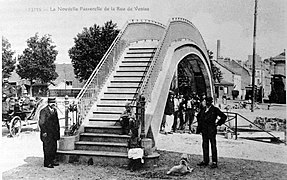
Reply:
x=230, y=21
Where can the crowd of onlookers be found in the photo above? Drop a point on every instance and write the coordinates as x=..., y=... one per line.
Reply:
x=180, y=111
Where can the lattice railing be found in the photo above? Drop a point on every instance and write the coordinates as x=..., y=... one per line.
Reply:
x=130, y=33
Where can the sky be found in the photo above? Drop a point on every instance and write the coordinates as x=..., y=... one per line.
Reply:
x=230, y=21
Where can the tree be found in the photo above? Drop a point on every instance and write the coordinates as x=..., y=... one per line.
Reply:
x=90, y=46
x=8, y=63
x=37, y=60
x=217, y=75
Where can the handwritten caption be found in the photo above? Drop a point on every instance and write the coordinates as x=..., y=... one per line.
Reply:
x=87, y=9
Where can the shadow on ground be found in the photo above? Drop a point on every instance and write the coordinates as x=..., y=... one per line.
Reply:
x=229, y=168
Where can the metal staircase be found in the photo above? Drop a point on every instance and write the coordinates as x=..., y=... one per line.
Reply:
x=101, y=140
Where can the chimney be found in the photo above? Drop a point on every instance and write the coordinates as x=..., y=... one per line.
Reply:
x=218, y=50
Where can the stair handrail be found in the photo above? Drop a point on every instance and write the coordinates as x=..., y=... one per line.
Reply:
x=91, y=90
x=115, y=51
x=244, y=118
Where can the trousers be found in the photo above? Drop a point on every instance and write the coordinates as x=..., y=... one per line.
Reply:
x=50, y=149
x=168, y=123
x=206, y=138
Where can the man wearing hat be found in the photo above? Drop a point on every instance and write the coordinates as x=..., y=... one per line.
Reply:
x=8, y=89
x=206, y=119
x=168, y=113
x=49, y=132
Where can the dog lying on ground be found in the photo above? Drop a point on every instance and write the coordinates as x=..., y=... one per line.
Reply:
x=182, y=168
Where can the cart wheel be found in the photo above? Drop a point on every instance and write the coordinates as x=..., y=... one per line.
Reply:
x=15, y=126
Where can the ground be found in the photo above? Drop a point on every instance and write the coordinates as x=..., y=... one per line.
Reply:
x=22, y=158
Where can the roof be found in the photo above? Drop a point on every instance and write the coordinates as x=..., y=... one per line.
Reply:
x=228, y=68
x=280, y=57
x=224, y=82
x=66, y=72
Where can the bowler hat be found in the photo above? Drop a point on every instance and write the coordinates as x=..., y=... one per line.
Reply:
x=51, y=100
x=209, y=99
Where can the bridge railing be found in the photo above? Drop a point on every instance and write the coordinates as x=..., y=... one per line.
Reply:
x=89, y=93
x=234, y=117
x=130, y=33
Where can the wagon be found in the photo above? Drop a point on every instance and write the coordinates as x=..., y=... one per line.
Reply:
x=16, y=116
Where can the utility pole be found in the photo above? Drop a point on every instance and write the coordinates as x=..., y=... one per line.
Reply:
x=253, y=64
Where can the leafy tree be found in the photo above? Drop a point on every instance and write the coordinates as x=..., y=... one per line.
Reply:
x=8, y=63
x=90, y=46
x=217, y=75
x=37, y=60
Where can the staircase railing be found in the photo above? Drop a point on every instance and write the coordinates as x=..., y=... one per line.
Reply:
x=89, y=93
x=234, y=116
x=96, y=81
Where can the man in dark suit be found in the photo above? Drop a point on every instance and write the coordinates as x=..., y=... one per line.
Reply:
x=49, y=132
x=206, y=118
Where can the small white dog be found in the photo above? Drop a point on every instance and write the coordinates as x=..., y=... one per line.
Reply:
x=182, y=168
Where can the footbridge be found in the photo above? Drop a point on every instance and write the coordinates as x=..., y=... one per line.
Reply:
x=139, y=67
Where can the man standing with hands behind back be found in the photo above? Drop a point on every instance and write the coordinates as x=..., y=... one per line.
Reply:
x=207, y=117
x=49, y=132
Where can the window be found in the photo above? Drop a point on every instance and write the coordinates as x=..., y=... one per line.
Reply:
x=69, y=83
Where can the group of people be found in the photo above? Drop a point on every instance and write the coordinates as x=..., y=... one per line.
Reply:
x=207, y=120
x=10, y=101
x=179, y=112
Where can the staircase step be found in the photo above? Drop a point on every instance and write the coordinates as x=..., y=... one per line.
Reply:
x=127, y=78
x=142, y=48
x=104, y=117
x=129, y=65
x=135, y=60
x=110, y=108
x=113, y=105
x=102, y=158
x=103, y=129
x=119, y=95
x=124, y=96
x=141, y=51
x=101, y=121
x=98, y=157
x=114, y=101
x=104, y=137
x=101, y=146
x=126, y=81
x=133, y=68
x=107, y=112
x=124, y=84
x=130, y=73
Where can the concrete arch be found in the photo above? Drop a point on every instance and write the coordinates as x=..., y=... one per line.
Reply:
x=176, y=52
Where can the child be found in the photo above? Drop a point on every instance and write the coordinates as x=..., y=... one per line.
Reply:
x=135, y=153
x=125, y=119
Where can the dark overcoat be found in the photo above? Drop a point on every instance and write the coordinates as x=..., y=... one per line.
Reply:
x=49, y=123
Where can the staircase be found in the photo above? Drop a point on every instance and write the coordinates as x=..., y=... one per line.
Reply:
x=101, y=140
